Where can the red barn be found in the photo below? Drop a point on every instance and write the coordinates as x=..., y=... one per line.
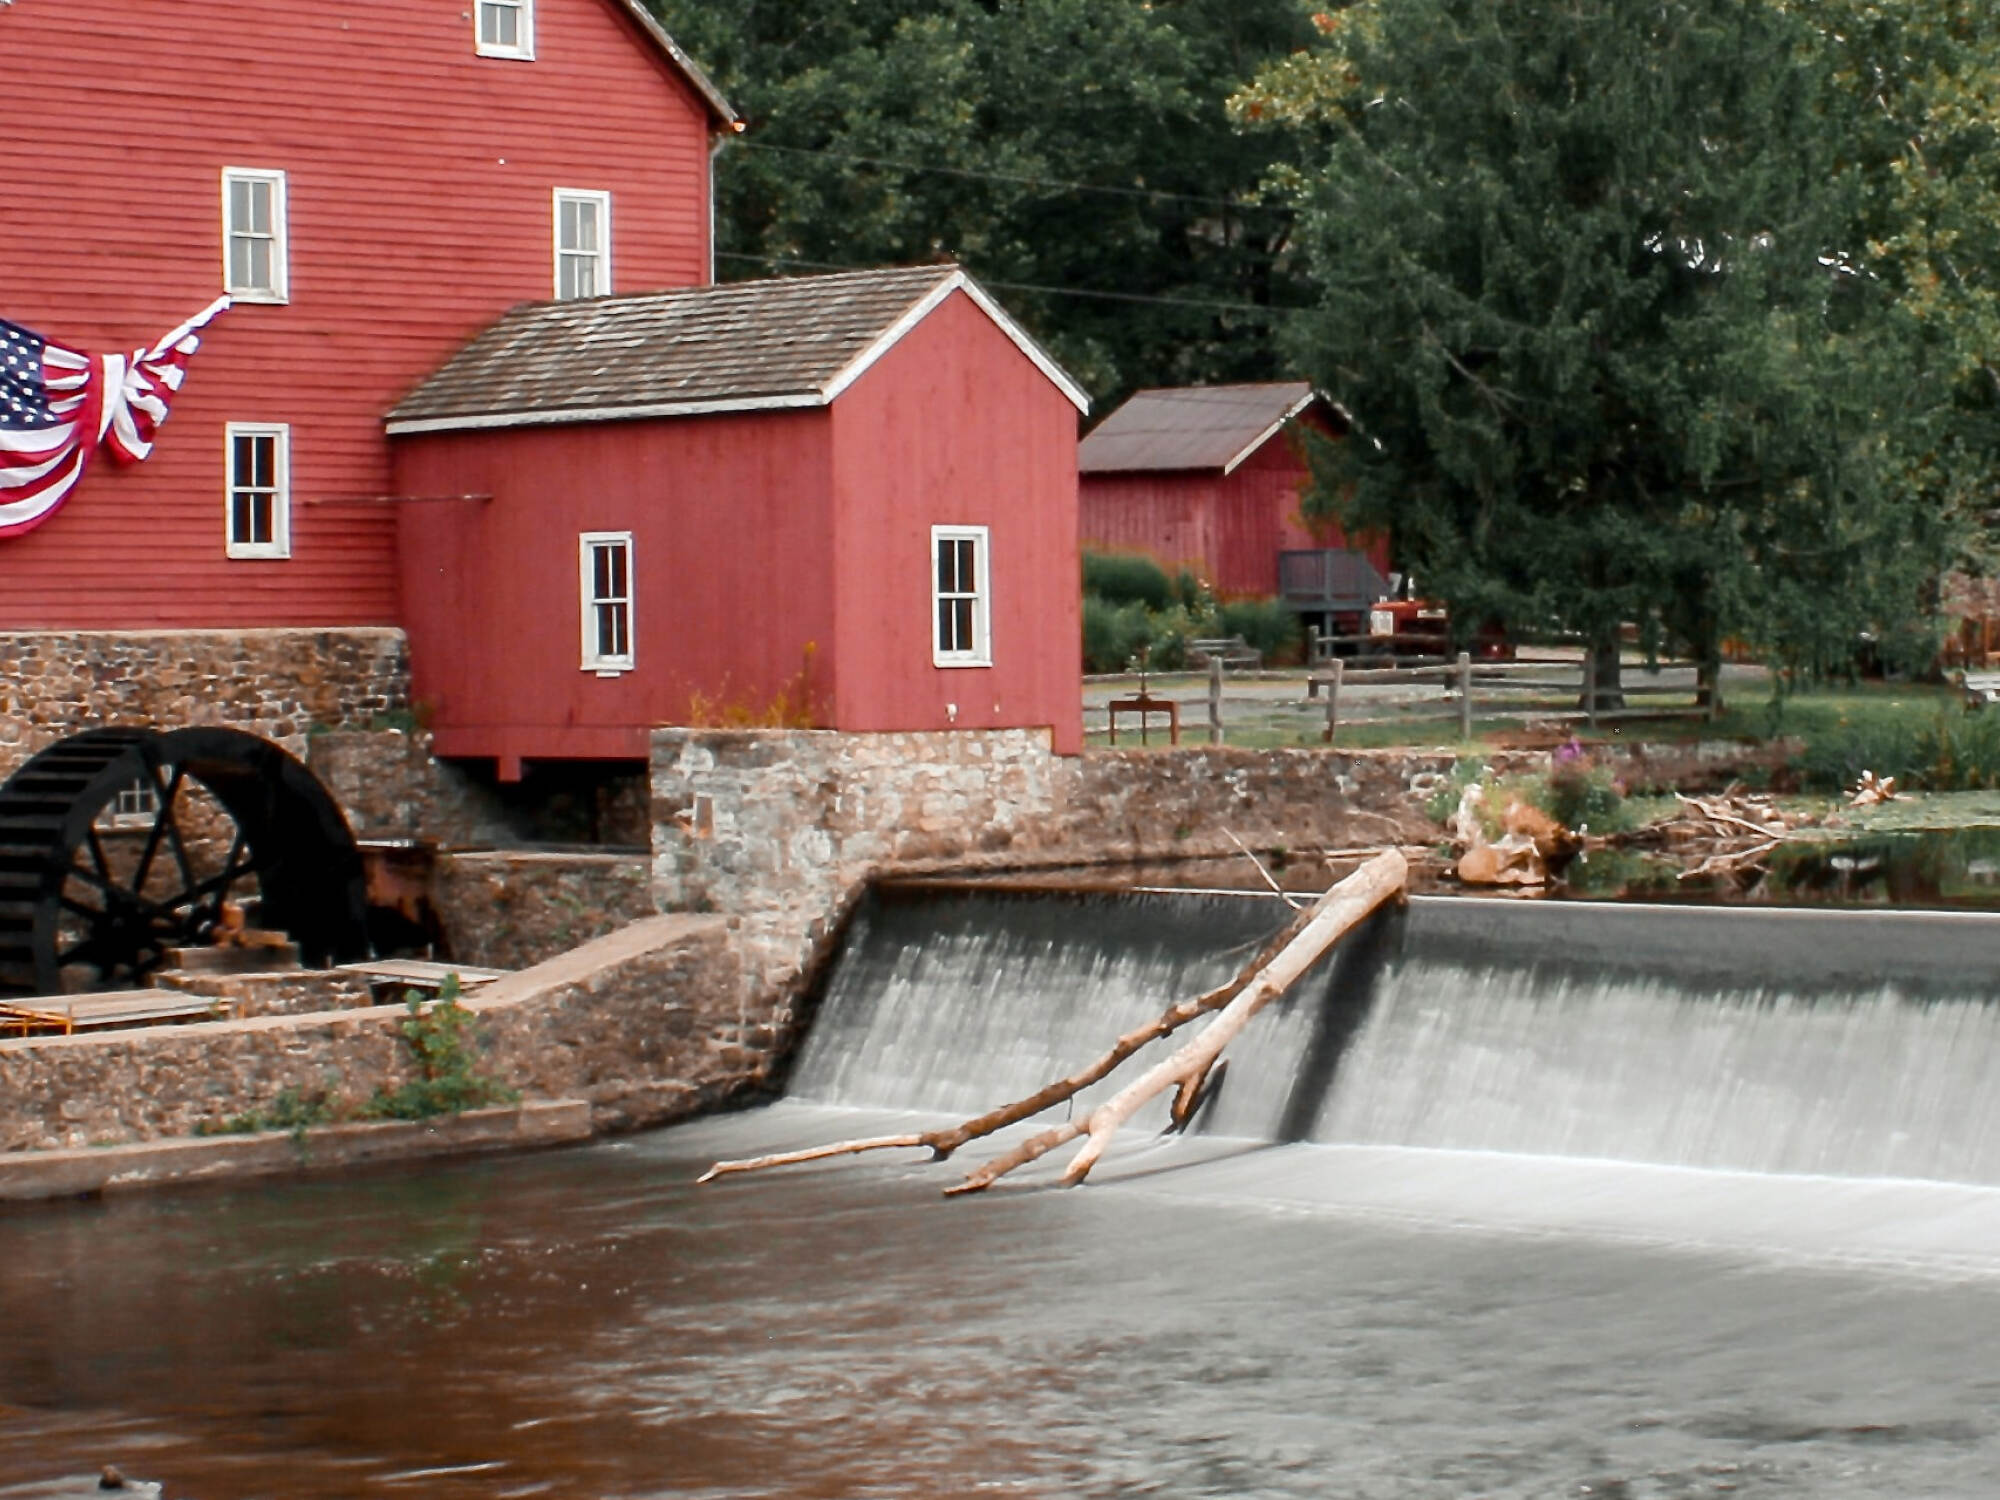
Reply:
x=845, y=500
x=850, y=501
x=1210, y=478
x=372, y=181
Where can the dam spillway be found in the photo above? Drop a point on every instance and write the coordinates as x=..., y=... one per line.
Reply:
x=1843, y=1044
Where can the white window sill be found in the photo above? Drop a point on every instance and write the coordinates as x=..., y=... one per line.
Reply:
x=258, y=294
x=258, y=554
x=608, y=668
x=512, y=54
x=961, y=661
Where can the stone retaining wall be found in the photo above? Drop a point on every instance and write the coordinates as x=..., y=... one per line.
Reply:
x=781, y=828
x=506, y=909
x=275, y=683
x=646, y=1025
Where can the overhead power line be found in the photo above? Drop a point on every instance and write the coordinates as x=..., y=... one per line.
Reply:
x=1020, y=180
x=1253, y=308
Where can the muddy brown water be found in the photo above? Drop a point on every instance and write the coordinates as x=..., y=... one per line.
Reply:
x=1762, y=1259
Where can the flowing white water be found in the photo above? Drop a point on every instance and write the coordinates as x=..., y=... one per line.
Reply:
x=1771, y=1042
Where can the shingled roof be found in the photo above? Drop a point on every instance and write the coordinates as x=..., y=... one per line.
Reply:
x=1192, y=427
x=744, y=346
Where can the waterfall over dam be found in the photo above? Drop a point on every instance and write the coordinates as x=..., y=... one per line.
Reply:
x=1831, y=1044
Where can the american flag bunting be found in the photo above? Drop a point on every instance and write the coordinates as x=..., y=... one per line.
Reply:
x=58, y=404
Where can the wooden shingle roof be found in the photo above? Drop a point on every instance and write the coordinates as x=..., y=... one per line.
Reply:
x=743, y=346
x=1192, y=427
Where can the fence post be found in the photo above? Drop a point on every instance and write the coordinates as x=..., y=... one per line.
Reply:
x=1312, y=647
x=1333, y=698
x=1215, y=700
x=1465, y=695
x=1590, y=685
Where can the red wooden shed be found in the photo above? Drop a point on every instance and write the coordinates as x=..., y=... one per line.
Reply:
x=846, y=500
x=1210, y=478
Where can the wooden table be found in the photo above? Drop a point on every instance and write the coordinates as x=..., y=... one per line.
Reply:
x=1145, y=705
x=421, y=974
x=65, y=1015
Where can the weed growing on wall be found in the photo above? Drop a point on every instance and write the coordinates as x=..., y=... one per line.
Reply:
x=442, y=1038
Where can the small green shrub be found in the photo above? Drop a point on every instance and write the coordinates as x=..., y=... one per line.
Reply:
x=1127, y=578
x=442, y=1037
x=1264, y=623
x=1113, y=633
x=294, y=1109
x=1945, y=751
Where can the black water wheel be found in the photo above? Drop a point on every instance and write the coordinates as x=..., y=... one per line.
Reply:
x=118, y=844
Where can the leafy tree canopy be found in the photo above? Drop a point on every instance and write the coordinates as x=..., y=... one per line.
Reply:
x=1076, y=145
x=1640, y=309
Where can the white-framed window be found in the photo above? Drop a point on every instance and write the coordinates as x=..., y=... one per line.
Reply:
x=961, y=597
x=136, y=805
x=583, y=242
x=254, y=252
x=604, y=570
x=259, y=519
x=505, y=28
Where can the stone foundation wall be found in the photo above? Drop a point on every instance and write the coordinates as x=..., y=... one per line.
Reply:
x=280, y=992
x=647, y=1024
x=781, y=828
x=510, y=909
x=275, y=683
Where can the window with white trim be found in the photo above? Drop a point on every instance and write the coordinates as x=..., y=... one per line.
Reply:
x=583, y=242
x=254, y=252
x=961, y=597
x=259, y=517
x=604, y=560
x=506, y=28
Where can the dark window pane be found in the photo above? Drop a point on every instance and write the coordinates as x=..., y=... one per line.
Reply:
x=239, y=518
x=944, y=560
x=962, y=608
x=944, y=626
x=966, y=573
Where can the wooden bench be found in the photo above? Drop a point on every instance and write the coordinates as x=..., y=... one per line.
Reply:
x=420, y=974
x=1233, y=651
x=1979, y=688
x=65, y=1015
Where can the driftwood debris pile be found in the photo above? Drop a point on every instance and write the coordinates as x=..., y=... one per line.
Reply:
x=1275, y=968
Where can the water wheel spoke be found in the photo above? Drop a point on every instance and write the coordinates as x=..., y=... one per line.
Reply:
x=102, y=882
x=79, y=908
x=97, y=854
x=162, y=820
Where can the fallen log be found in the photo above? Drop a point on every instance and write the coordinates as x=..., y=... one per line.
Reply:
x=943, y=1142
x=1331, y=918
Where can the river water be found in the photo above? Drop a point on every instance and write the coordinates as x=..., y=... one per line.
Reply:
x=1296, y=1303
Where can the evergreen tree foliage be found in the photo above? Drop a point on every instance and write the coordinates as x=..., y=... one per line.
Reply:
x=896, y=132
x=1596, y=284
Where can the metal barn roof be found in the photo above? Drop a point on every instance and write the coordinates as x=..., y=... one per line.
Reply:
x=1192, y=427
x=743, y=346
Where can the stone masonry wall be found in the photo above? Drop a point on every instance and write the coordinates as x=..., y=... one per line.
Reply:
x=780, y=829
x=647, y=1024
x=509, y=909
x=276, y=683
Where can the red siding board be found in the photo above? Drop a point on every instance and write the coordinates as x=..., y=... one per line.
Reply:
x=731, y=520
x=956, y=426
x=420, y=180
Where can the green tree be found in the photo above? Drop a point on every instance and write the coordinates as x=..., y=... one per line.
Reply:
x=1593, y=287
x=1080, y=146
